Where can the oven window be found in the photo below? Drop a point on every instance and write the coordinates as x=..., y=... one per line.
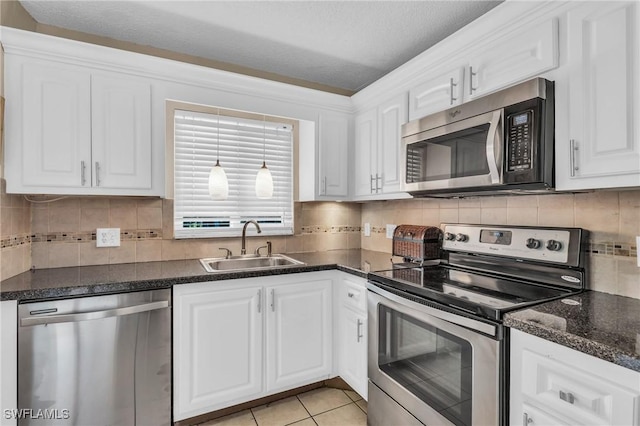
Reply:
x=430, y=363
x=454, y=155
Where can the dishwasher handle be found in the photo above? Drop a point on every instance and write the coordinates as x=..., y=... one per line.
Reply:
x=86, y=316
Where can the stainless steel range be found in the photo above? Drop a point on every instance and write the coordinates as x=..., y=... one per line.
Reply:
x=438, y=350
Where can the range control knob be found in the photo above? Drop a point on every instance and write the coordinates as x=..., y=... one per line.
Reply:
x=554, y=245
x=532, y=243
x=461, y=238
x=449, y=236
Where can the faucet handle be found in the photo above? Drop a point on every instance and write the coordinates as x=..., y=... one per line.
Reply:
x=268, y=247
x=228, y=254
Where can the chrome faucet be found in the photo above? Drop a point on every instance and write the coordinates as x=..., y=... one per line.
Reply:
x=244, y=234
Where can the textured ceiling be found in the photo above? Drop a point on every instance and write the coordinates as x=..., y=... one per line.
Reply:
x=344, y=44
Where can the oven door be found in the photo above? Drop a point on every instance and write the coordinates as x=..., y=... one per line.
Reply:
x=464, y=154
x=431, y=363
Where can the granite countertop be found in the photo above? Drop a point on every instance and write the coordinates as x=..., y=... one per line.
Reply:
x=599, y=324
x=43, y=284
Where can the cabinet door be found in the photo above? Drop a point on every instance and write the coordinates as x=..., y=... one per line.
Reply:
x=121, y=132
x=532, y=416
x=366, y=143
x=604, y=91
x=55, y=124
x=333, y=139
x=523, y=56
x=436, y=94
x=298, y=338
x=353, y=349
x=391, y=116
x=217, y=348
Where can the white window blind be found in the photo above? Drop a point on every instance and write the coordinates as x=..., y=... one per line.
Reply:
x=243, y=143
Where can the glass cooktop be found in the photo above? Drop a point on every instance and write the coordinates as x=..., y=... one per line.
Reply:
x=486, y=295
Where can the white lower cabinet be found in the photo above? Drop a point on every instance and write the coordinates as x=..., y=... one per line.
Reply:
x=239, y=340
x=351, y=332
x=554, y=385
x=8, y=360
x=298, y=337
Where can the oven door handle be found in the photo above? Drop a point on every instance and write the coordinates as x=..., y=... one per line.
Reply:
x=482, y=327
x=494, y=150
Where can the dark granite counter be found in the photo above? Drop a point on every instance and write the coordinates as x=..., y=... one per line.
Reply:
x=54, y=283
x=599, y=324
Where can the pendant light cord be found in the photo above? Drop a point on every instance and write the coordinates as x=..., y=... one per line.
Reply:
x=264, y=141
x=218, y=150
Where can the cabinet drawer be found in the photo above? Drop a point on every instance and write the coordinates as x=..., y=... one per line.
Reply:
x=577, y=394
x=353, y=295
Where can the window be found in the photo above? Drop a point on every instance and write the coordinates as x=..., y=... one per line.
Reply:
x=244, y=140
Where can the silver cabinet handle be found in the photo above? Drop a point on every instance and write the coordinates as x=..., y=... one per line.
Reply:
x=566, y=396
x=97, y=174
x=526, y=419
x=359, y=334
x=273, y=300
x=573, y=147
x=451, y=86
x=471, y=74
x=378, y=178
x=350, y=294
x=83, y=168
x=259, y=300
x=371, y=184
x=85, y=316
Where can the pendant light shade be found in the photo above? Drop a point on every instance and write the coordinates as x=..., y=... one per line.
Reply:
x=264, y=181
x=218, y=183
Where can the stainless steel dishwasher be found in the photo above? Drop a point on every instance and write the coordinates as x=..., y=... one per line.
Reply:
x=96, y=361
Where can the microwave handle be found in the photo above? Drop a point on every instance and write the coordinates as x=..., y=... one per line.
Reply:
x=494, y=157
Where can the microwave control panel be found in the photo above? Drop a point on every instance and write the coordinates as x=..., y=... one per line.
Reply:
x=519, y=131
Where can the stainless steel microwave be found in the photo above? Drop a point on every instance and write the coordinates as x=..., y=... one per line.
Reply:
x=502, y=142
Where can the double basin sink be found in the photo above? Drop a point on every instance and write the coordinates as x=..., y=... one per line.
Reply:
x=247, y=262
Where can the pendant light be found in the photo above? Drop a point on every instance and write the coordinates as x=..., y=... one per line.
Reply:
x=264, y=181
x=218, y=183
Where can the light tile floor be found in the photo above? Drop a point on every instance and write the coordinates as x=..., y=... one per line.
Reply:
x=319, y=407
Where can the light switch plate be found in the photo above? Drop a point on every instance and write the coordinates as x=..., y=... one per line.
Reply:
x=108, y=237
x=367, y=229
x=390, y=229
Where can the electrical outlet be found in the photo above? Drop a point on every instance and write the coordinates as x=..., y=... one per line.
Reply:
x=367, y=229
x=108, y=237
x=390, y=229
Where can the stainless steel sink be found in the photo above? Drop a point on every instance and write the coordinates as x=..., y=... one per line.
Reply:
x=243, y=263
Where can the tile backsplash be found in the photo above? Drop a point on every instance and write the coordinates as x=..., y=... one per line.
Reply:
x=63, y=232
x=15, y=233
x=612, y=217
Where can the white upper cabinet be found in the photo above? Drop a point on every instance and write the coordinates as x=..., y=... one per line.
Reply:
x=366, y=152
x=71, y=130
x=486, y=68
x=53, y=121
x=333, y=137
x=391, y=116
x=121, y=129
x=512, y=59
x=378, y=150
x=437, y=93
x=600, y=146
